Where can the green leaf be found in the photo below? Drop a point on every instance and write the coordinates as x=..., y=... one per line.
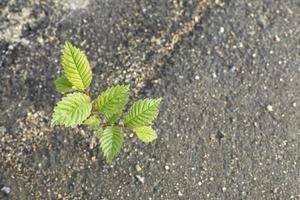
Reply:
x=72, y=110
x=99, y=133
x=92, y=122
x=110, y=119
x=145, y=133
x=62, y=85
x=76, y=67
x=112, y=100
x=142, y=113
x=111, y=141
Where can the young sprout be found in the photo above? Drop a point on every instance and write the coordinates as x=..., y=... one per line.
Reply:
x=103, y=114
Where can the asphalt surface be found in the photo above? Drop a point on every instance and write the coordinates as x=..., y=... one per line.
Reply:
x=229, y=75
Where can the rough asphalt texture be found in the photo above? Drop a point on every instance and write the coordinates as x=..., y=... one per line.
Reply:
x=229, y=73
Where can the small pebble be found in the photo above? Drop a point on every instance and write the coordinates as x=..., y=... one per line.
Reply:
x=197, y=77
x=94, y=158
x=180, y=194
x=270, y=108
x=262, y=21
x=214, y=75
x=138, y=168
x=5, y=190
x=276, y=190
x=167, y=167
x=232, y=67
x=222, y=30
x=10, y=47
x=140, y=179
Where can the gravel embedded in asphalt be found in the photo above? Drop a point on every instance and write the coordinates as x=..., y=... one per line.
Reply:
x=228, y=72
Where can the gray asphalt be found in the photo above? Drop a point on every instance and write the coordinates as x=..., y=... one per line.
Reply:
x=229, y=75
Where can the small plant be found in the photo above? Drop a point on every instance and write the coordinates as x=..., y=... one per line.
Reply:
x=102, y=115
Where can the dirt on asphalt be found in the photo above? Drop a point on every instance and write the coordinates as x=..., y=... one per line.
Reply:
x=229, y=75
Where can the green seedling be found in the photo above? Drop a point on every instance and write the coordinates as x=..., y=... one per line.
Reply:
x=104, y=115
